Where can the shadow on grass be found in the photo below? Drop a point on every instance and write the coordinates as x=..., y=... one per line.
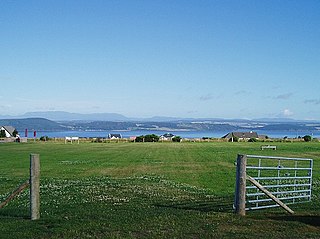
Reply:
x=217, y=204
x=307, y=219
x=14, y=213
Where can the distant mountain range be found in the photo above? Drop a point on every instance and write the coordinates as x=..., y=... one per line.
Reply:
x=67, y=116
x=39, y=124
x=64, y=121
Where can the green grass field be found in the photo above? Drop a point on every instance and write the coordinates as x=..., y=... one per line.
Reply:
x=146, y=190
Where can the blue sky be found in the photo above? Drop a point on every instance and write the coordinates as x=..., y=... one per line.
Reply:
x=232, y=59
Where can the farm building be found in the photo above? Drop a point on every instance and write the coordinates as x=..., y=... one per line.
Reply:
x=114, y=136
x=9, y=131
x=166, y=137
x=241, y=135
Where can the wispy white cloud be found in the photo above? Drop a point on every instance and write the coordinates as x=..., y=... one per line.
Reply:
x=287, y=113
x=241, y=92
x=5, y=106
x=210, y=96
x=284, y=96
x=206, y=97
x=312, y=101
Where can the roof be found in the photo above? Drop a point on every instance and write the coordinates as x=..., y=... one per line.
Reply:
x=114, y=136
x=9, y=129
x=243, y=135
x=168, y=135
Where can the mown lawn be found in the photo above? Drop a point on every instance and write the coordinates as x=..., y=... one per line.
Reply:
x=146, y=190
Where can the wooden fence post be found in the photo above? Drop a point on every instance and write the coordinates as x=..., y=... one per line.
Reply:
x=35, y=186
x=240, y=194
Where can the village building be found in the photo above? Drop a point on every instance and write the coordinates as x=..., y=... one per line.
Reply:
x=166, y=137
x=10, y=134
x=9, y=131
x=241, y=135
x=114, y=136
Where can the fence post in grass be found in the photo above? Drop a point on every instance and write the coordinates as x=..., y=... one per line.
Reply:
x=240, y=194
x=35, y=186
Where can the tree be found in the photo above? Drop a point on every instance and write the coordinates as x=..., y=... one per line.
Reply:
x=176, y=139
x=14, y=133
x=151, y=138
x=44, y=138
x=148, y=138
x=140, y=138
x=307, y=138
x=2, y=134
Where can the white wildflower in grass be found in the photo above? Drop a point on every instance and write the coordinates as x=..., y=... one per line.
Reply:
x=58, y=195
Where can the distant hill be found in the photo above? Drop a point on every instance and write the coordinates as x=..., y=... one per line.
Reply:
x=278, y=120
x=290, y=127
x=145, y=125
x=61, y=121
x=42, y=124
x=39, y=124
x=66, y=116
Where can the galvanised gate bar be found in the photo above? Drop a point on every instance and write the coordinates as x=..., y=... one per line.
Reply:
x=289, y=180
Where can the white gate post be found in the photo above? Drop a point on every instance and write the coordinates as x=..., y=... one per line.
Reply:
x=240, y=194
x=34, y=186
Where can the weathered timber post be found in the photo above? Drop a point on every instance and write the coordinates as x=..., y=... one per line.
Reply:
x=34, y=186
x=240, y=194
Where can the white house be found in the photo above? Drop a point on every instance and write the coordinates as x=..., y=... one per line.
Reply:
x=114, y=136
x=166, y=137
x=9, y=131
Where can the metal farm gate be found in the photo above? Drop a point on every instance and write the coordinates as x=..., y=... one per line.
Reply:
x=274, y=181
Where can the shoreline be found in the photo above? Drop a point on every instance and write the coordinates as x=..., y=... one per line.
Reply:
x=183, y=134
